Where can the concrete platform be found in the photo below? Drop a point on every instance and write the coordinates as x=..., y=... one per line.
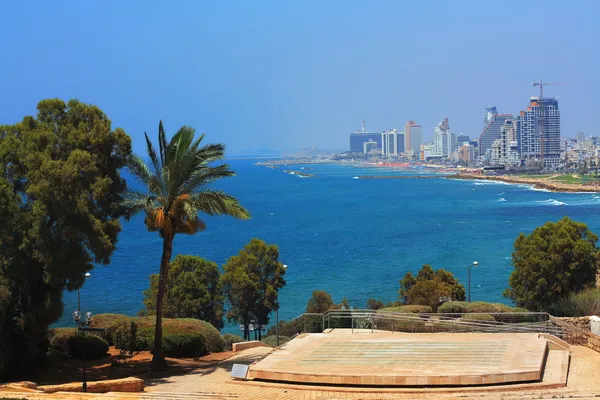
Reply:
x=382, y=358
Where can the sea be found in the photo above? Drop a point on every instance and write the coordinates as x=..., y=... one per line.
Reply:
x=354, y=238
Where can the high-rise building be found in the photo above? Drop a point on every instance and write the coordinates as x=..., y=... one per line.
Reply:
x=492, y=123
x=539, y=131
x=460, y=139
x=370, y=147
x=413, y=137
x=392, y=143
x=509, y=151
x=444, y=140
x=358, y=139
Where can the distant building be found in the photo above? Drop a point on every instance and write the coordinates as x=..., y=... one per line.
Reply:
x=413, y=137
x=444, y=139
x=427, y=151
x=509, y=151
x=358, y=138
x=392, y=143
x=492, y=123
x=542, y=116
x=370, y=147
x=460, y=139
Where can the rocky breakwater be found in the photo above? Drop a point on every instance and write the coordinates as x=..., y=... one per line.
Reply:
x=401, y=176
x=538, y=183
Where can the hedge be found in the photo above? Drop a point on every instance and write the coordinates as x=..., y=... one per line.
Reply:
x=231, y=339
x=214, y=342
x=461, y=307
x=95, y=347
x=478, y=317
x=70, y=342
x=411, y=308
x=272, y=340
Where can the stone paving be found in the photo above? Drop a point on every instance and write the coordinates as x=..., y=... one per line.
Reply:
x=405, y=359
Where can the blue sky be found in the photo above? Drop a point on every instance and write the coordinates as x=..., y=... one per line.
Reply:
x=291, y=74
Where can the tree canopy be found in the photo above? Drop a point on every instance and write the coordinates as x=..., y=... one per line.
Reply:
x=60, y=205
x=251, y=283
x=193, y=290
x=176, y=192
x=429, y=286
x=557, y=259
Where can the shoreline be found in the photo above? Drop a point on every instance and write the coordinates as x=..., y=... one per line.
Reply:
x=537, y=183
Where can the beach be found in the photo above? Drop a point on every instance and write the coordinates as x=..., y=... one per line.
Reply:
x=546, y=182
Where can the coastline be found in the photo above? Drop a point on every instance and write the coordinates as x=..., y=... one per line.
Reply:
x=537, y=183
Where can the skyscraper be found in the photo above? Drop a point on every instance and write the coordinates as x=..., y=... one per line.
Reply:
x=541, y=117
x=492, y=123
x=413, y=138
x=444, y=140
x=392, y=143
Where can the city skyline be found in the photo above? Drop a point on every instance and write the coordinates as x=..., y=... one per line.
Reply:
x=288, y=76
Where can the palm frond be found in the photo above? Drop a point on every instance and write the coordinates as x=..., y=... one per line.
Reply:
x=211, y=152
x=205, y=175
x=138, y=168
x=162, y=142
x=134, y=202
x=216, y=202
x=152, y=154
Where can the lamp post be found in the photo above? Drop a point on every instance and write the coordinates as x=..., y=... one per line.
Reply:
x=87, y=275
x=475, y=263
x=277, y=314
x=82, y=325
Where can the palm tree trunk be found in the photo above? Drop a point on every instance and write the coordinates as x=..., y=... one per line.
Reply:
x=158, y=359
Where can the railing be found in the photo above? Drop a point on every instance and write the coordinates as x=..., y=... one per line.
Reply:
x=528, y=322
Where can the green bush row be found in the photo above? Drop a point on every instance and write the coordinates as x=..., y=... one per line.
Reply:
x=272, y=340
x=71, y=342
x=230, y=339
x=172, y=327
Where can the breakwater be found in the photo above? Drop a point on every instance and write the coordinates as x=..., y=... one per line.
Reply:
x=402, y=176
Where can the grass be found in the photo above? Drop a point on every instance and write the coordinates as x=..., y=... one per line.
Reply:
x=574, y=179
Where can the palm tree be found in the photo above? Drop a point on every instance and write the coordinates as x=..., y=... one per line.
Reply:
x=176, y=193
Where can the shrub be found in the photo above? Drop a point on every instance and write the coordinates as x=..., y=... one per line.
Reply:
x=213, y=339
x=110, y=322
x=272, y=340
x=580, y=304
x=125, y=337
x=453, y=307
x=411, y=324
x=231, y=339
x=95, y=347
x=59, y=339
x=484, y=307
x=411, y=308
x=184, y=345
x=478, y=317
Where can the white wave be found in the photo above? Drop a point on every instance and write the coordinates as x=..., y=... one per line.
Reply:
x=355, y=177
x=501, y=199
x=551, y=202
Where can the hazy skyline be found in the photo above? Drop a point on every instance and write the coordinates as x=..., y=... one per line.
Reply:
x=287, y=75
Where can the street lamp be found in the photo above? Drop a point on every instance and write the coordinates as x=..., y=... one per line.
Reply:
x=475, y=263
x=82, y=326
x=277, y=314
x=87, y=275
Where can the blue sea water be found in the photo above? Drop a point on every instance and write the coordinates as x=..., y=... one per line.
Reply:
x=354, y=238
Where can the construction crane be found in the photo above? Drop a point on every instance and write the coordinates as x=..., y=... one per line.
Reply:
x=541, y=84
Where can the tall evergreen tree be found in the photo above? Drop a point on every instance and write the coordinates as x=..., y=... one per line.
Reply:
x=176, y=193
x=60, y=205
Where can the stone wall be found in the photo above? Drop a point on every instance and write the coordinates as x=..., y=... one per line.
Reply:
x=584, y=337
x=113, y=385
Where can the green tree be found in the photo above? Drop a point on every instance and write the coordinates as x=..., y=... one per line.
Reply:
x=176, y=192
x=429, y=286
x=320, y=302
x=556, y=260
x=251, y=282
x=374, y=304
x=60, y=206
x=193, y=290
x=405, y=284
